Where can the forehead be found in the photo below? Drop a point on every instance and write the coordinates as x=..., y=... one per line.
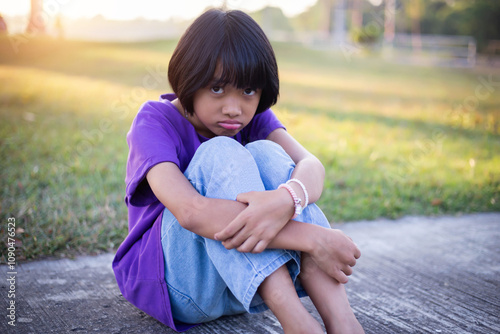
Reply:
x=218, y=73
x=237, y=75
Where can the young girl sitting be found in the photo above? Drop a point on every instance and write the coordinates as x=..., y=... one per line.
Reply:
x=220, y=197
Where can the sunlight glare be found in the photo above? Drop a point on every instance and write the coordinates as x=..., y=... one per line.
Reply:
x=13, y=8
x=147, y=9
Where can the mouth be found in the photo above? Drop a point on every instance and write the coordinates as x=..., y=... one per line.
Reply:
x=230, y=125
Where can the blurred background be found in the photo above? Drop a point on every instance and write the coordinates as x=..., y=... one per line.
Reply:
x=398, y=98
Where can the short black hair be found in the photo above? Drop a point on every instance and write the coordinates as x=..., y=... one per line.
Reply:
x=236, y=42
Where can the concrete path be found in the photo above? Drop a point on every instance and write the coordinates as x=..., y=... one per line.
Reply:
x=416, y=275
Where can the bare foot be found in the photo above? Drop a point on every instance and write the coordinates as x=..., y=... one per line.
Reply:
x=329, y=297
x=345, y=325
x=305, y=326
x=278, y=292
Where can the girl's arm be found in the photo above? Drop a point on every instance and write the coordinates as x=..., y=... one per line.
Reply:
x=197, y=213
x=309, y=170
x=332, y=250
x=208, y=216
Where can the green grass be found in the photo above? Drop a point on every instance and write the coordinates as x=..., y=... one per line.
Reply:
x=393, y=139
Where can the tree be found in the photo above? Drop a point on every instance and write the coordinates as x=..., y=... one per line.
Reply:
x=481, y=19
x=3, y=26
x=272, y=19
x=477, y=18
x=389, y=21
x=414, y=10
x=339, y=28
x=334, y=18
x=36, y=24
x=356, y=14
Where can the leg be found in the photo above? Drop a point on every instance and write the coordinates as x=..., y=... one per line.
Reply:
x=205, y=280
x=278, y=291
x=330, y=299
x=276, y=167
x=327, y=294
x=188, y=273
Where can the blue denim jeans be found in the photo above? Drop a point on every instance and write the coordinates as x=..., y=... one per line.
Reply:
x=205, y=280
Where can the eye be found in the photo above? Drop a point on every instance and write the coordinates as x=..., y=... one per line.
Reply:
x=249, y=92
x=217, y=90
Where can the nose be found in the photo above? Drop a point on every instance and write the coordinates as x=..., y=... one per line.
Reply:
x=231, y=107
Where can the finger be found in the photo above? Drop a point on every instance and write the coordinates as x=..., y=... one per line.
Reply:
x=237, y=240
x=347, y=270
x=248, y=245
x=341, y=277
x=357, y=253
x=260, y=247
x=352, y=263
x=227, y=244
x=243, y=198
x=230, y=230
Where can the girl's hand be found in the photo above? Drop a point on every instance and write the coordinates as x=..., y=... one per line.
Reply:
x=254, y=228
x=335, y=253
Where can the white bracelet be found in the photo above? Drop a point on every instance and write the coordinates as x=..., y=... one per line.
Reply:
x=295, y=198
x=306, y=195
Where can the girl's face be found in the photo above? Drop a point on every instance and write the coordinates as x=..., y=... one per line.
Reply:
x=223, y=110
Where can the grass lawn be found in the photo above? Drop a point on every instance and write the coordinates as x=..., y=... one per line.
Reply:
x=395, y=140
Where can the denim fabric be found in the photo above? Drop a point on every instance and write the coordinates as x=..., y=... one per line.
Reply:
x=205, y=280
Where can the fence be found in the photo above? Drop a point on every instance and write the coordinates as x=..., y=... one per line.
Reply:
x=435, y=50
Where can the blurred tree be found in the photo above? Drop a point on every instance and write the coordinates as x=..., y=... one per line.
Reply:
x=36, y=24
x=58, y=25
x=339, y=22
x=272, y=19
x=374, y=18
x=356, y=14
x=327, y=21
x=389, y=21
x=478, y=18
x=318, y=17
x=3, y=26
x=414, y=10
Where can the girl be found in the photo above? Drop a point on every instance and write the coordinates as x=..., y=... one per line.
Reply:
x=220, y=197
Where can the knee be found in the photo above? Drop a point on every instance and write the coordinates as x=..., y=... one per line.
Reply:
x=220, y=149
x=218, y=145
x=222, y=153
x=265, y=150
x=275, y=165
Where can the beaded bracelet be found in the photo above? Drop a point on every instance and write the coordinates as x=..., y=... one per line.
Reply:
x=306, y=195
x=296, y=199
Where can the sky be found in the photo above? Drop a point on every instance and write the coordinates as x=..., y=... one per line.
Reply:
x=149, y=9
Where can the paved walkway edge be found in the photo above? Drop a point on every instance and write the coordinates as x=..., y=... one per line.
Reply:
x=416, y=275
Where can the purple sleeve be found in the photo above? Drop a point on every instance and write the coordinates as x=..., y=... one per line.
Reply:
x=152, y=139
x=262, y=125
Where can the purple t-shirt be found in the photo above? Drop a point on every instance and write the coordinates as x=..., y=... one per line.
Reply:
x=159, y=133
